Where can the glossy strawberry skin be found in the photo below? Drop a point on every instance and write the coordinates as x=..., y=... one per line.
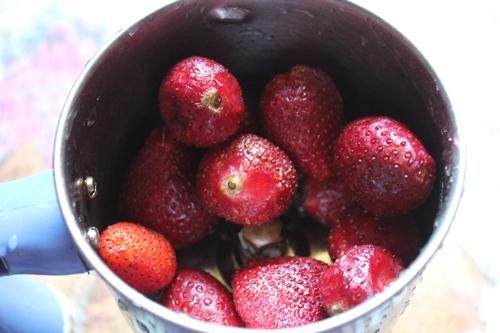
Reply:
x=279, y=292
x=400, y=234
x=159, y=191
x=141, y=257
x=248, y=180
x=301, y=112
x=327, y=200
x=200, y=295
x=388, y=169
x=358, y=274
x=201, y=102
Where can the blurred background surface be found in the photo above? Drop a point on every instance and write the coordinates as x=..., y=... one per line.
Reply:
x=44, y=44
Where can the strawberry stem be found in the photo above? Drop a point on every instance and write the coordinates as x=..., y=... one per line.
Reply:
x=212, y=100
x=232, y=185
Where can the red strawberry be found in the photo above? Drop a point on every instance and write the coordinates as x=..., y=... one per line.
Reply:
x=360, y=273
x=388, y=169
x=398, y=234
x=201, y=102
x=141, y=257
x=248, y=180
x=326, y=200
x=249, y=123
x=301, y=112
x=278, y=292
x=200, y=295
x=159, y=191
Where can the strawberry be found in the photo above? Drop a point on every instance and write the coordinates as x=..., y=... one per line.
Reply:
x=141, y=257
x=247, y=180
x=249, y=122
x=201, y=102
x=358, y=274
x=200, y=295
x=301, y=112
x=326, y=200
x=398, y=234
x=278, y=292
x=159, y=191
x=388, y=169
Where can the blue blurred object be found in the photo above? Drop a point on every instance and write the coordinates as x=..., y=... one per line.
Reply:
x=33, y=236
x=28, y=305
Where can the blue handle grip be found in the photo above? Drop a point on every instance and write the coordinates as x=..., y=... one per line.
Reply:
x=33, y=236
x=28, y=305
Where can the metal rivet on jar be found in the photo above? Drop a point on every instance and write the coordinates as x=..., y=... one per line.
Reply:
x=93, y=237
x=85, y=188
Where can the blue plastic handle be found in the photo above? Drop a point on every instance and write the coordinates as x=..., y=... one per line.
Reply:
x=33, y=236
x=28, y=305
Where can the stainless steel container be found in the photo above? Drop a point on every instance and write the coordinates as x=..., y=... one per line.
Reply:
x=113, y=106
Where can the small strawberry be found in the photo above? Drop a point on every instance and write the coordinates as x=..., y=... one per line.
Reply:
x=326, y=200
x=248, y=180
x=200, y=295
x=141, y=257
x=360, y=273
x=388, y=169
x=201, y=102
x=301, y=112
x=398, y=234
x=281, y=292
x=159, y=191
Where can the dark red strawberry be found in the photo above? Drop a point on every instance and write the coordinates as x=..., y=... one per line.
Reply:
x=326, y=200
x=398, y=234
x=386, y=166
x=301, y=112
x=201, y=102
x=200, y=295
x=281, y=292
x=249, y=122
x=360, y=273
x=141, y=257
x=159, y=191
x=248, y=180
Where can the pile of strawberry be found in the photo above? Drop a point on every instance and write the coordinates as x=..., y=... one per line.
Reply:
x=216, y=160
